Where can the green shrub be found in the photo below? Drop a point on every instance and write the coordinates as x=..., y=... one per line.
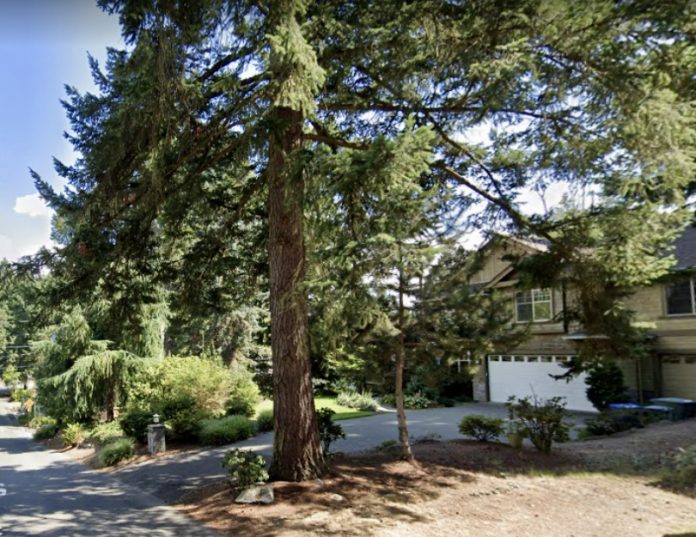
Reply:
x=481, y=427
x=264, y=421
x=105, y=433
x=38, y=421
x=24, y=419
x=134, y=424
x=425, y=381
x=357, y=400
x=245, y=468
x=207, y=382
x=116, y=451
x=21, y=395
x=418, y=401
x=415, y=401
x=684, y=473
x=605, y=384
x=388, y=399
x=182, y=417
x=612, y=421
x=543, y=422
x=446, y=402
x=244, y=392
x=46, y=431
x=329, y=430
x=226, y=430
x=74, y=434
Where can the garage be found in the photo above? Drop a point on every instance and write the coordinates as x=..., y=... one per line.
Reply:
x=679, y=376
x=522, y=376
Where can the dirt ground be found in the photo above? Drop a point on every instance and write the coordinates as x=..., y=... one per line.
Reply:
x=603, y=488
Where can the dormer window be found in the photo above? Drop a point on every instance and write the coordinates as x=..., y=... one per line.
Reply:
x=533, y=306
x=680, y=298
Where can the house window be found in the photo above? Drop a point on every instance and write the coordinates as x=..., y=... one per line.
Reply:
x=533, y=305
x=680, y=298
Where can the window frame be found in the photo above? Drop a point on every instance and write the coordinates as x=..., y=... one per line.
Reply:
x=533, y=302
x=692, y=288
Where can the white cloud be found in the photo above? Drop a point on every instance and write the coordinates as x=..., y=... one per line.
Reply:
x=33, y=206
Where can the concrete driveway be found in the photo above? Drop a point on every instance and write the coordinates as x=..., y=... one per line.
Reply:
x=170, y=476
x=46, y=493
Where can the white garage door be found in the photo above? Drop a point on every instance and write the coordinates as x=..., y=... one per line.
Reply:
x=679, y=376
x=524, y=376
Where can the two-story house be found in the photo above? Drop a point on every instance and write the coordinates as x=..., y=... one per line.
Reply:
x=529, y=368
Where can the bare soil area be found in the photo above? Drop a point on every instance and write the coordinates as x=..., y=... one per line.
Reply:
x=601, y=488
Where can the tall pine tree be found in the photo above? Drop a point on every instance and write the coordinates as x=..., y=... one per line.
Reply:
x=220, y=107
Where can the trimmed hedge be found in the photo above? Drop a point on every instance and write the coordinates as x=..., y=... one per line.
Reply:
x=480, y=427
x=225, y=430
x=116, y=451
x=46, y=431
x=264, y=421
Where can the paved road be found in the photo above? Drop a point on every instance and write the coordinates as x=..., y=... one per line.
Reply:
x=46, y=493
x=171, y=476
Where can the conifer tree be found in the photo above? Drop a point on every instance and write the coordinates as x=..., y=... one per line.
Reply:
x=221, y=108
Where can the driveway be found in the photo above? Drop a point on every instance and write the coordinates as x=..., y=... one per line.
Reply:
x=46, y=493
x=171, y=476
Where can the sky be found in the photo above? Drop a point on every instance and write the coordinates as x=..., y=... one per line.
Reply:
x=43, y=47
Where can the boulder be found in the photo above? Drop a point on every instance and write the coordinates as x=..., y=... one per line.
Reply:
x=256, y=494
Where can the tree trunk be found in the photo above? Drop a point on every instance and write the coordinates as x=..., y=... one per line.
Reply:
x=406, y=452
x=296, y=449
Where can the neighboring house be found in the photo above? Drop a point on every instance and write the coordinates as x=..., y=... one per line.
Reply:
x=527, y=369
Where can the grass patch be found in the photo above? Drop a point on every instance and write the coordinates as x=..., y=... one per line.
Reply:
x=341, y=412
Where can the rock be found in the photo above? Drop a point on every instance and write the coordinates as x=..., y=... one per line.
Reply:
x=256, y=494
x=336, y=497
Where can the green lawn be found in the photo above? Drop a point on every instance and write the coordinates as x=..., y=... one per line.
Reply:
x=342, y=412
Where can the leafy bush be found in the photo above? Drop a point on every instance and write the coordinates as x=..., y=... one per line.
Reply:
x=329, y=430
x=425, y=381
x=182, y=417
x=388, y=399
x=542, y=421
x=684, y=472
x=245, y=468
x=611, y=422
x=116, y=451
x=416, y=401
x=24, y=419
x=46, y=431
x=446, y=402
x=134, y=424
x=605, y=384
x=105, y=433
x=205, y=384
x=264, y=421
x=481, y=427
x=11, y=377
x=226, y=430
x=21, y=395
x=358, y=400
x=38, y=421
x=74, y=434
x=244, y=392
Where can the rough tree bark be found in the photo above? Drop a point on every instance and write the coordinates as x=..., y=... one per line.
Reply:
x=296, y=450
x=406, y=452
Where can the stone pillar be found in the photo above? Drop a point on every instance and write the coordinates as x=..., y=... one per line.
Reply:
x=155, y=437
x=480, y=381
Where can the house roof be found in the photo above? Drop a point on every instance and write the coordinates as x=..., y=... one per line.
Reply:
x=685, y=249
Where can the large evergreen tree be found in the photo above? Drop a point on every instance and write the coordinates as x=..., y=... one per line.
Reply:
x=208, y=124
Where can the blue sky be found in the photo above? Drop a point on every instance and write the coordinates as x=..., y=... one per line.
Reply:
x=43, y=46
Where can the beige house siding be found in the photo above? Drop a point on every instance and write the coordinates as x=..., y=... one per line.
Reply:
x=675, y=335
